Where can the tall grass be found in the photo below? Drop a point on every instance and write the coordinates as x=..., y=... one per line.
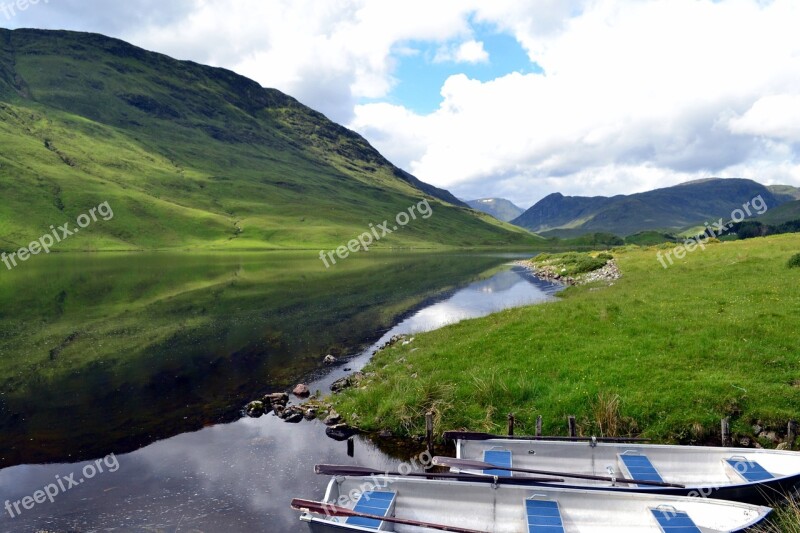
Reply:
x=784, y=519
x=664, y=352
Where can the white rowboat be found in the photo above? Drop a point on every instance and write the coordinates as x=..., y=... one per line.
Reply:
x=740, y=474
x=484, y=507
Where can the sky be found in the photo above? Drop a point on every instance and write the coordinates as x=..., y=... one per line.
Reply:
x=508, y=98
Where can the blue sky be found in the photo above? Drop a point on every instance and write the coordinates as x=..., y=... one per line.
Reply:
x=420, y=77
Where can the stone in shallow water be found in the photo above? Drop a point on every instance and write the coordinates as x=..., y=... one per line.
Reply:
x=340, y=432
x=293, y=416
x=255, y=409
x=332, y=419
x=301, y=391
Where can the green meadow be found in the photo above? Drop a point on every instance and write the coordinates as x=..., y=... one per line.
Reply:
x=662, y=353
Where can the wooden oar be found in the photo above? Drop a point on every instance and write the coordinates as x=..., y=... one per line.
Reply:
x=470, y=435
x=329, y=509
x=336, y=470
x=480, y=465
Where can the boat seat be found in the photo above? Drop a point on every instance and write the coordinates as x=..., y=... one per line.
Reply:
x=748, y=469
x=639, y=467
x=544, y=516
x=674, y=521
x=378, y=503
x=497, y=458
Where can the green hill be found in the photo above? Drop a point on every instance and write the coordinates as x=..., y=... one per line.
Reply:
x=786, y=193
x=783, y=213
x=190, y=156
x=667, y=209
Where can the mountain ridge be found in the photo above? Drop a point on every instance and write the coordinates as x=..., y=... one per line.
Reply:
x=193, y=156
x=666, y=208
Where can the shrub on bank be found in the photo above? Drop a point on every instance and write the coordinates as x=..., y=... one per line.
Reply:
x=794, y=262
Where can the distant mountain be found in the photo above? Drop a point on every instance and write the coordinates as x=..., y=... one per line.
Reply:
x=783, y=213
x=785, y=193
x=497, y=207
x=190, y=156
x=670, y=208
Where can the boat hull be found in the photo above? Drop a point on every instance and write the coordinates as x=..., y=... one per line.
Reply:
x=702, y=470
x=503, y=508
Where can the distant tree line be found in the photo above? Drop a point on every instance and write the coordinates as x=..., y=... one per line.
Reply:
x=747, y=229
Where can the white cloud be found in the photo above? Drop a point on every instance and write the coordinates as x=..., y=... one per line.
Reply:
x=327, y=54
x=635, y=96
x=467, y=52
x=776, y=116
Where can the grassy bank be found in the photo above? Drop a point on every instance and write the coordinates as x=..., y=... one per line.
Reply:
x=662, y=352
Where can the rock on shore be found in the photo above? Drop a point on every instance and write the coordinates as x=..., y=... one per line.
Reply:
x=609, y=272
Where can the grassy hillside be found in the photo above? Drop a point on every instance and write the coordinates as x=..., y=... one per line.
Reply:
x=785, y=192
x=783, y=213
x=192, y=156
x=670, y=208
x=667, y=352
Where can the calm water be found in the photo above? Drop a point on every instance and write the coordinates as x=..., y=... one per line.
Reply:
x=150, y=357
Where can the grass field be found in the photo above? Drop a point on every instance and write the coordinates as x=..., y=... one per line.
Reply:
x=663, y=352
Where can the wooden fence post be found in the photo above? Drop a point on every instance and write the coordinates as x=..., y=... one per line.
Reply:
x=726, y=431
x=573, y=432
x=539, y=426
x=510, y=424
x=429, y=431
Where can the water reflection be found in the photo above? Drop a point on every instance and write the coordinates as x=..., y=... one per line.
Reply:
x=241, y=476
x=237, y=477
x=110, y=353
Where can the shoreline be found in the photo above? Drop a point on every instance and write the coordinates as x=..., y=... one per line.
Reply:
x=610, y=273
x=610, y=358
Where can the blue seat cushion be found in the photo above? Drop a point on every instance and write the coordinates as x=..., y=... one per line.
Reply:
x=675, y=521
x=497, y=458
x=377, y=503
x=640, y=467
x=750, y=470
x=544, y=516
